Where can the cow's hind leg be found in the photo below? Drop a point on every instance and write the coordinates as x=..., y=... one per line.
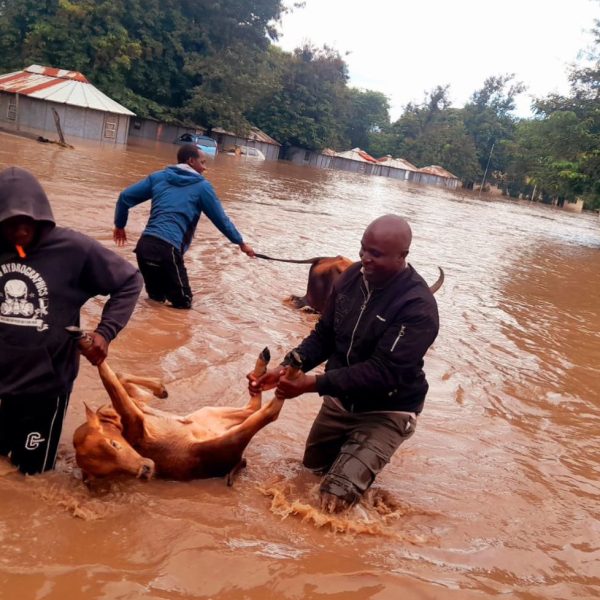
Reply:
x=242, y=434
x=260, y=368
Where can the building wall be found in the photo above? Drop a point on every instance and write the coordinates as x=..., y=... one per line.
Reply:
x=162, y=132
x=149, y=129
x=574, y=207
x=429, y=179
x=302, y=157
x=74, y=120
x=394, y=173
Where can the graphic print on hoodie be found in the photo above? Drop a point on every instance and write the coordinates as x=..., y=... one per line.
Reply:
x=23, y=296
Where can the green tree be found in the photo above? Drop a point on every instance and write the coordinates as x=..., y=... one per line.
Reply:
x=433, y=133
x=368, y=114
x=166, y=58
x=559, y=151
x=309, y=106
x=489, y=121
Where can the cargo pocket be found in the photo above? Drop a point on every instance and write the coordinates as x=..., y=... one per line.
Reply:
x=355, y=468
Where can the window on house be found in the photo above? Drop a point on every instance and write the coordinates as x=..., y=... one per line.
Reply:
x=110, y=129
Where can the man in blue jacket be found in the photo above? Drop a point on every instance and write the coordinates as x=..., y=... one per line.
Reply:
x=180, y=194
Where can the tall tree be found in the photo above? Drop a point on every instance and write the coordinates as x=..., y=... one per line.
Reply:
x=489, y=120
x=433, y=133
x=559, y=151
x=183, y=58
x=309, y=107
x=368, y=113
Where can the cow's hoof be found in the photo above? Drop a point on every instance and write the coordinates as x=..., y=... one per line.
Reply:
x=232, y=474
x=296, y=301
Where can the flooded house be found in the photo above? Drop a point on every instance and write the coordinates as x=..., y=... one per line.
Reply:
x=356, y=161
x=397, y=168
x=30, y=100
x=310, y=158
x=435, y=175
x=148, y=128
x=256, y=138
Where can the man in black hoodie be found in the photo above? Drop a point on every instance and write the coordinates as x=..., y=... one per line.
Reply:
x=47, y=273
x=374, y=332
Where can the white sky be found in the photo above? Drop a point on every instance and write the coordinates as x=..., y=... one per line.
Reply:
x=404, y=49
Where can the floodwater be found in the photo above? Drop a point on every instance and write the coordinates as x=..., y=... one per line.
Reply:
x=497, y=494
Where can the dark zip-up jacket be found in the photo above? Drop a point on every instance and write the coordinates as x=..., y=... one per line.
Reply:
x=43, y=293
x=374, y=341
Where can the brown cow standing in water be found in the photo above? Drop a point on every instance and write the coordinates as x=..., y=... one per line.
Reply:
x=321, y=277
x=324, y=270
x=209, y=442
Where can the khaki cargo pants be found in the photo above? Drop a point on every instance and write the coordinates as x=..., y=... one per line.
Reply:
x=350, y=449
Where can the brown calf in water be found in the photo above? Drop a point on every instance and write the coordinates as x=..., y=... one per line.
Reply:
x=324, y=270
x=209, y=442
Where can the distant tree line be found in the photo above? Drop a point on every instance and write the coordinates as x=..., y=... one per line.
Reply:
x=213, y=63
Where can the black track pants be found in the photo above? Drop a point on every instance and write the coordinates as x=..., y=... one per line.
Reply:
x=30, y=428
x=164, y=273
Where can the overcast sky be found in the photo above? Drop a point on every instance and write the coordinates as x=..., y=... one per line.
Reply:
x=404, y=49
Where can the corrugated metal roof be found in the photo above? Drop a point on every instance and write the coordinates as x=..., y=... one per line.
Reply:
x=255, y=135
x=61, y=86
x=357, y=154
x=437, y=170
x=397, y=163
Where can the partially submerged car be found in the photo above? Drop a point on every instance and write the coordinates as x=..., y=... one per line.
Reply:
x=246, y=152
x=203, y=142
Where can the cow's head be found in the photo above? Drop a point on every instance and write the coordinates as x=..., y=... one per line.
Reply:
x=102, y=451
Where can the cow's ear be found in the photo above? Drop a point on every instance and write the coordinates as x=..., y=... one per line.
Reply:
x=92, y=418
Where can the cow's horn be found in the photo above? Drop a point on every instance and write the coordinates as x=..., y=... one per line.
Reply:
x=438, y=284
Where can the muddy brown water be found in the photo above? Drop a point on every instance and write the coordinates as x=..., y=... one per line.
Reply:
x=496, y=494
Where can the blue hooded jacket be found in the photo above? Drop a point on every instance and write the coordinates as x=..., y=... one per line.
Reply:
x=179, y=197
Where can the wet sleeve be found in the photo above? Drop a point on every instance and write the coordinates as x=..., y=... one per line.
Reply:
x=398, y=354
x=213, y=209
x=105, y=273
x=135, y=194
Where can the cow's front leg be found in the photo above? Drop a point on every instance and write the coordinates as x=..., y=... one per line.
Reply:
x=154, y=384
x=132, y=418
x=236, y=469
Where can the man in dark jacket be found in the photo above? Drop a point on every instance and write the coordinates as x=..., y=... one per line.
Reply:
x=47, y=273
x=374, y=332
x=180, y=194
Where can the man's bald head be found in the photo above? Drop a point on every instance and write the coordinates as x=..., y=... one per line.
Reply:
x=394, y=228
x=384, y=247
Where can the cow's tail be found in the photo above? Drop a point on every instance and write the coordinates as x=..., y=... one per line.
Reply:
x=306, y=261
